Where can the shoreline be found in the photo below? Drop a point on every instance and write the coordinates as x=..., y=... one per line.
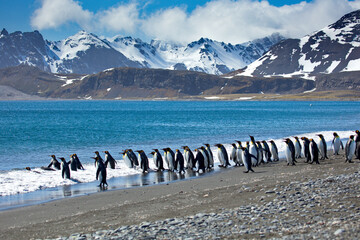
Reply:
x=227, y=189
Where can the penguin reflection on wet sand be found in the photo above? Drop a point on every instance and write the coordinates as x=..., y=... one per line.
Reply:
x=336, y=144
x=65, y=170
x=100, y=172
x=109, y=160
x=350, y=148
x=54, y=162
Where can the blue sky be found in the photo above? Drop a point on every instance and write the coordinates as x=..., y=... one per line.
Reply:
x=233, y=21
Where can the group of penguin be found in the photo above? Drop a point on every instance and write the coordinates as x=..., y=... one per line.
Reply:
x=251, y=155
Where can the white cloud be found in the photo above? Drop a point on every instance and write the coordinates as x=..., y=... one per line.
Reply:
x=232, y=21
x=54, y=13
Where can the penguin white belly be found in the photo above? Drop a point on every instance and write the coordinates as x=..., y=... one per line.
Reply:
x=206, y=160
x=171, y=162
x=321, y=148
x=221, y=157
x=239, y=155
x=288, y=155
x=127, y=161
x=336, y=145
x=253, y=151
x=273, y=153
x=352, y=150
x=297, y=150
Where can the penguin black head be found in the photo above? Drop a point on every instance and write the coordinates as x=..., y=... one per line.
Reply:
x=53, y=156
x=28, y=168
x=62, y=159
x=239, y=142
x=207, y=145
x=139, y=151
x=252, y=138
x=335, y=134
x=296, y=137
x=351, y=136
x=320, y=136
x=177, y=150
x=152, y=153
x=357, y=132
x=96, y=152
x=233, y=144
x=218, y=145
x=107, y=152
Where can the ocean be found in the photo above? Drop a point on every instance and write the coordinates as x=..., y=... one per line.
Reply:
x=31, y=131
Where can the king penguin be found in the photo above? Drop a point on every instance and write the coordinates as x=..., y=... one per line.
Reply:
x=233, y=155
x=97, y=155
x=200, y=161
x=128, y=162
x=158, y=160
x=246, y=158
x=133, y=157
x=206, y=156
x=306, y=149
x=54, y=162
x=253, y=150
x=179, y=161
x=322, y=147
x=65, y=170
x=290, y=152
x=109, y=160
x=73, y=165
x=169, y=157
x=222, y=156
x=189, y=158
x=336, y=144
x=239, y=153
x=350, y=148
x=357, y=143
x=297, y=147
x=78, y=163
x=211, y=156
x=100, y=172
x=314, y=152
x=144, y=161
x=274, y=151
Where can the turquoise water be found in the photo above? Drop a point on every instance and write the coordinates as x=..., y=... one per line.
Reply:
x=33, y=130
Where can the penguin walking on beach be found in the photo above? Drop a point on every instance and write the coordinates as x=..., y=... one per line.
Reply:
x=200, y=161
x=78, y=163
x=266, y=152
x=189, y=158
x=306, y=149
x=336, y=144
x=222, y=156
x=260, y=153
x=290, y=152
x=179, y=161
x=54, y=162
x=253, y=150
x=100, y=172
x=169, y=157
x=350, y=148
x=322, y=147
x=73, y=163
x=314, y=152
x=144, y=161
x=274, y=151
x=357, y=143
x=158, y=160
x=65, y=170
x=297, y=147
x=109, y=160
x=211, y=156
x=239, y=153
x=128, y=161
x=133, y=157
x=233, y=155
x=206, y=156
x=246, y=159
x=97, y=155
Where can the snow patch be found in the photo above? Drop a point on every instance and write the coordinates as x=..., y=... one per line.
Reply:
x=310, y=91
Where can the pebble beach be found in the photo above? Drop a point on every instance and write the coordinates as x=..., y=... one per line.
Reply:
x=276, y=202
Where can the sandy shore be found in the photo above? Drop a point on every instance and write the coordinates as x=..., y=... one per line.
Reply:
x=213, y=193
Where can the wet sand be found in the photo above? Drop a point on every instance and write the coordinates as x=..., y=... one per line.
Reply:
x=227, y=189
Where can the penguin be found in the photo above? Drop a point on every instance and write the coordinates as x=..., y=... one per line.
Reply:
x=222, y=156
x=322, y=147
x=253, y=150
x=350, y=148
x=246, y=159
x=144, y=161
x=100, y=172
x=274, y=151
x=290, y=152
x=189, y=158
x=158, y=160
x=109, y=160
x=179, y=161
x=199, y=159
x=54, y=162
x=128, y=161
x=233, y=156
x=239, y=153
x=73, y=164
x=169, y=157
x=336, y=144
x=267, y=152
x=206, y=156
x=260, y=153
x=133, y=157
x=314, y=152
x=297, y=147
x=97, y=155
x=357, y=143
x=65, y=170
x=211, y=156
x=78, y=163
x=306, y=149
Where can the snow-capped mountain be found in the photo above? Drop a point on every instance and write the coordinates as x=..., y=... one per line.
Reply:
x=86, y=53
x=333, y=49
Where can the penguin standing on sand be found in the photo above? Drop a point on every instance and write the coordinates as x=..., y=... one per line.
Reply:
x=297, y=147
x=179, y=161
x=158, y=160
x=239, y=153
x=290, y=152
x=73, y=164
x=314, y=152
x=350, y=148
x=322, y=147
x=169, y=157
x=54, y=162
x=253, y=150
x=200, y=161
x=246, y=159
x=336, y=144
x=274, y=151
x=267, y=152
x=357, y=143
x=233, y=156
x=78, y=163
x=189, y=158
x=144, y=161
x=306, y=149
x=97, y=155
x=100, y=172
x=222, y=156
x=109, y=160
x=128, y=161
x=206, y=156
x=65, y=170
x=211, y=156
x=260, y=152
